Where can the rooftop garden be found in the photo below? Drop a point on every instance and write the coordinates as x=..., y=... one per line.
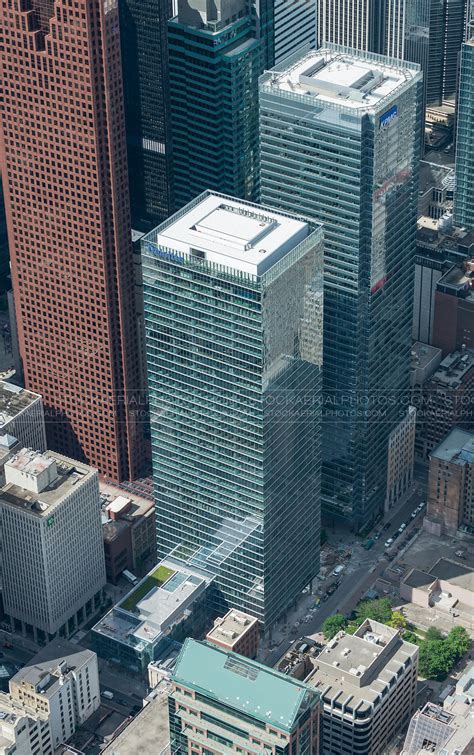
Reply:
x=157, y=578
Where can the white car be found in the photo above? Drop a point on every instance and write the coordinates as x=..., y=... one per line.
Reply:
x=389, y=542
x=402, y=527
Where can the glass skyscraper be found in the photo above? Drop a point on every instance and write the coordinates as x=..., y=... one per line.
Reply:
x=464, y=195
x=143, y=42
x=215, y=62
x=339, y=135
x=294, y=27
x=233, y=313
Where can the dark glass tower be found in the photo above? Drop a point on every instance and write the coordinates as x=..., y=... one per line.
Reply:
x=143, y=32
x=339, y=136
x=464, y=196
x=215, y=62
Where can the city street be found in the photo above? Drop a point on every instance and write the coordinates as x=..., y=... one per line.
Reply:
x=360, y=573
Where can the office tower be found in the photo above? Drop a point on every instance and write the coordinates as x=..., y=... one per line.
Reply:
x=451, y=483
x=66, y=195
x=233, y=314
x=4, y=253
x=21, y=416
x=464, y=195
x=353, y=23
x=367, y=682
x=446, y=34
x=294, y=27
x=50, y=505
x=144, y=44
x=321, y=115
x=215, y=61
x=223, y=699
x=62, y=680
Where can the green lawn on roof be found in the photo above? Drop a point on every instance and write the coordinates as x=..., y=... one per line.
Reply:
x=155, y=579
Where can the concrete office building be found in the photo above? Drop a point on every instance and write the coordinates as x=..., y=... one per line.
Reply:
x=23, y=732
x=294, y=27
x=437, y=252
x=215, y=61
x=464, y=196
x=236, y=631
x=67, y=205
x=367, y=683
x=352, y=23
x=222, y=700
x=21, y=416
x=451, y=483
x=319, y=114
x=233, y=310
x=61, y=681
x=445, y=401
x=453, y=325
x=49, y=506
x=401, y=459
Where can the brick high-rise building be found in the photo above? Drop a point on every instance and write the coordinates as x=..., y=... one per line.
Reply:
x=63, y=160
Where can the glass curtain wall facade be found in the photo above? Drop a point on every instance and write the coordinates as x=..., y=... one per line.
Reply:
x=295, y=27
x=234, y=370
x=353, y=168
x=214, y=74
x=464, y=194
x=144, y=44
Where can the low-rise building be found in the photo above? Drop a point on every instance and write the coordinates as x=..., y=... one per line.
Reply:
x=148, y=733
x=21, y=416
x=129, y=531
x=367, y=683
x=448, y=729
x=61, y=681
x=400, y=458
x=236, y=631
x=23, y=732
x=49, y=510
x=223, y=702
x=170, y=603
x=447, y=588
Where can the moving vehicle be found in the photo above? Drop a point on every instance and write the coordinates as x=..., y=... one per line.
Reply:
x=107, y=694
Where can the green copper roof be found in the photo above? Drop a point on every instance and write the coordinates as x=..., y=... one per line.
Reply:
x=242, y=684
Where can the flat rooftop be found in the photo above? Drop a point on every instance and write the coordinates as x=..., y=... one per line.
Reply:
x=58, y=658
x=351, y=80
x=423, y=354
x=360, y=666
x=115, y=499
x=459, y=574
x=231, y=627
x=148, y=733
x=453, y=368
x=71, y=474
x=457, y=447
x=13, y=401
x=419, y=579
x=231, y=233
x=154, y=605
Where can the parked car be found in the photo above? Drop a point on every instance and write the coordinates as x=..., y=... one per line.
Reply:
x=369, y=544
x=338, y=570
x=386, y=526
x=402, y=527
x=389, y=542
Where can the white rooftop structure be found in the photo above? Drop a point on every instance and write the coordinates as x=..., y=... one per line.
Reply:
x=233, y=233
x=350, y=79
